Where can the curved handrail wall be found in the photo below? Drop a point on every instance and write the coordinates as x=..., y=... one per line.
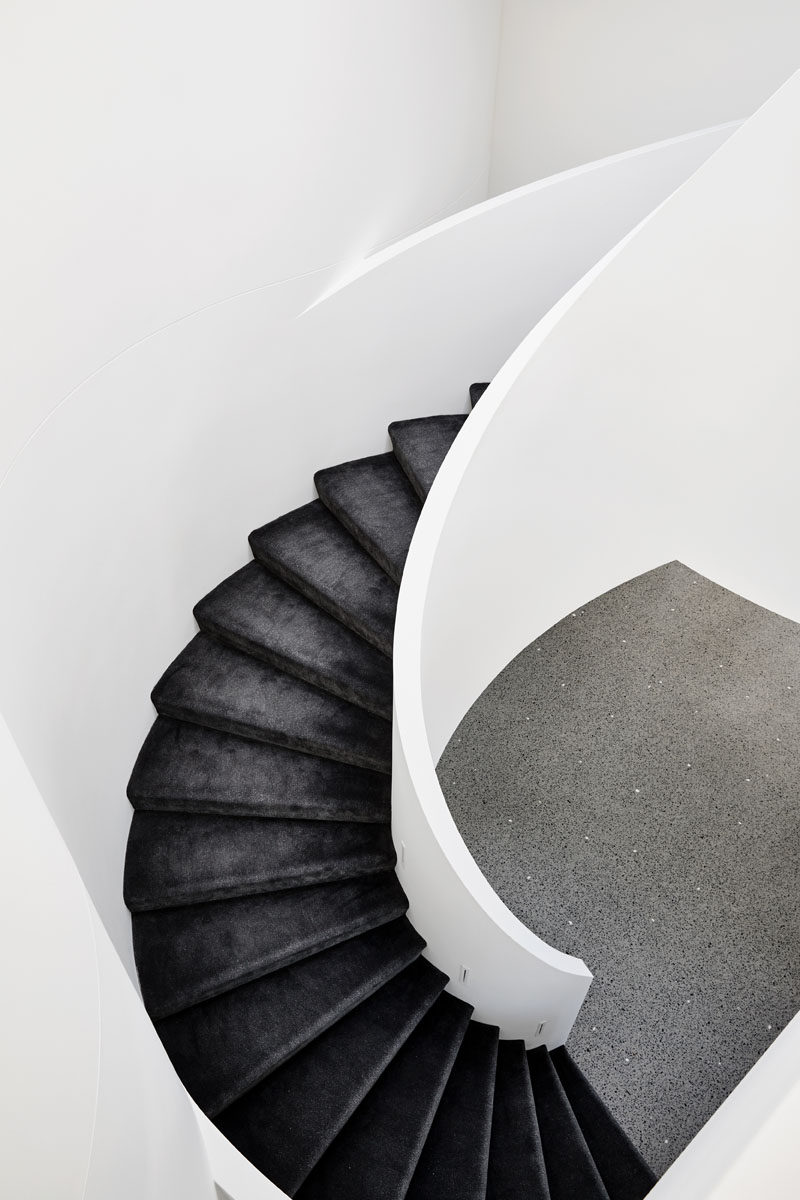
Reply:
x=651, y=415
x=510, y=976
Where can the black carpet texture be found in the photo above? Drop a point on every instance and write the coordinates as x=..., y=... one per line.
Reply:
x=374, y=500
x=421, y=445
x=270, y=931
x=190, y=769
x=258, y=613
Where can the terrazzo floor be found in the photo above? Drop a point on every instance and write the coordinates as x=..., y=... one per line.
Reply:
x=630, y=785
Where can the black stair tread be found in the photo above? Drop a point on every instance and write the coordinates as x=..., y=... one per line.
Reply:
x=225, y=1046
x=374, y=1156
x=314, y=553
x=624, y=1172
x=213, y=684
x=571, y=1170
x=516, y=1162
x=186, y=955
x=287, y=1122
x=455, y=1158
x=257, y=612
x=476, y=390
x=420, y=446
x=373, y=499
x=177, y=858
x=189, y=768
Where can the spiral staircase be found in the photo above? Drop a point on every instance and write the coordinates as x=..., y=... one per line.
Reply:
x=274, y=954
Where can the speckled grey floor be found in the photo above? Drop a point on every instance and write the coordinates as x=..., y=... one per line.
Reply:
x=630, y=785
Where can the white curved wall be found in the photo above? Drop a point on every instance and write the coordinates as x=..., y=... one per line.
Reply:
x=162, y=156
x=90, y=1106
x=539, y=241
x=650, y=416
x=659, y=406
x=582, y=80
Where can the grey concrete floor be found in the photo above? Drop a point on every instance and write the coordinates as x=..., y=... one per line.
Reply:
x=630, y=785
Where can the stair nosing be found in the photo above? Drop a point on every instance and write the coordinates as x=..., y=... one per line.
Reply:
x=158, y=1013
x=307, y=589
x=324, y=1024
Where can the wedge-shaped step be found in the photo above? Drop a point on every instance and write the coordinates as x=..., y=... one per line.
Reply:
x=421, y=445
x=374, y=500
x=186, y=955
x=374, y=1156
x=476, y=390
x=176, y=858
x=623, y=1170
x=313, y=552
x=257, y=612
x=225, y=1046
x=215, y=685
x=287, y=1122
x=516, y=1162
x=455, y=1158
x=571, y=1170
x=184, y=767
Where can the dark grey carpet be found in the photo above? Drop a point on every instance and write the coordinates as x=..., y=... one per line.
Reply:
x=420, y=446
x=629, y=785
x=374, y=500
x=274, y=955
x=312, y=551
x=260, y=614
x=189, y=768
x=276, y=1125
x=374, y=1156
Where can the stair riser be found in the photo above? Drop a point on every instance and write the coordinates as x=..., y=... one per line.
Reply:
x=344, y=615
x=272, y=737
x=379, y=706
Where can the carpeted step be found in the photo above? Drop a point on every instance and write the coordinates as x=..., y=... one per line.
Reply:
x=455, y=1158
x=516, y=1162
x=186, y=955
x=571, y=1170
x=189, y=768
x=623, y=1170
x=476, y=390
x=375, y=502
x=213, y=684
x=286, y=1123
x=177, y=858
x=374, y=1156
x=314, y=553
x=421, y=445
x=257, y=612
x=225, y=1046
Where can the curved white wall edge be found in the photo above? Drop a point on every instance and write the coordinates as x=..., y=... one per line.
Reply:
x=708, y=140
x=50, y=1031
x=749, y=1147
x=90, y=1106
x=651, y=416
x=512, y=977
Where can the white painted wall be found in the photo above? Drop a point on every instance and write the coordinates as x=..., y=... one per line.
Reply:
x=180, y=181
x=90, y=1106
x=581, y=80
x=161, y=156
